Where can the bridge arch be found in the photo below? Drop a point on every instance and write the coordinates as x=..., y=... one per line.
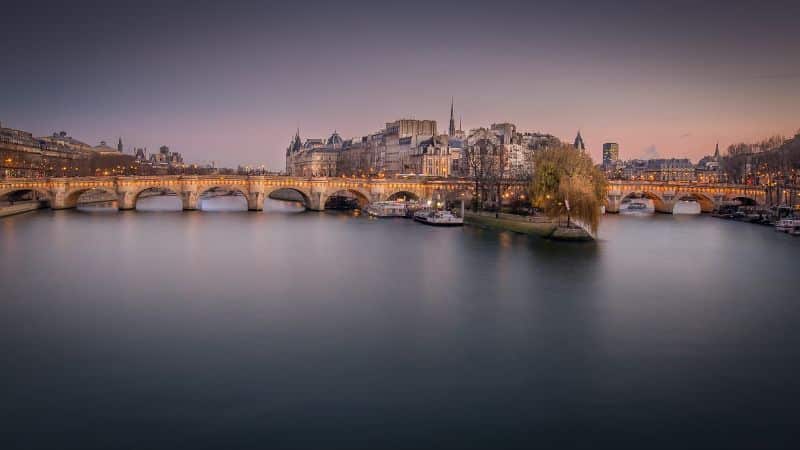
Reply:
x=658, y=201
x=202, y=193
x=362, y=197
x=224, y=187
x=42, y=193
x=403, y=195
x=164, y=188
x=745, y=200
x=155, y=187
x=706, y=202
x=72, y=196
x=304, y=194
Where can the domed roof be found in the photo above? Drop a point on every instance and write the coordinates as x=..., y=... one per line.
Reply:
x=104, y=148
x=335, y=139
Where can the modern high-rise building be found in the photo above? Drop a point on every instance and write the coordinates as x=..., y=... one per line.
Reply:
x=610, y=153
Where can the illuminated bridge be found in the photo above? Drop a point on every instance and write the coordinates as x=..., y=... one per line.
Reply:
x=665, y=194
x=62, y=193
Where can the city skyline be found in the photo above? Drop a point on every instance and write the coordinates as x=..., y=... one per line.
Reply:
x=232, y=83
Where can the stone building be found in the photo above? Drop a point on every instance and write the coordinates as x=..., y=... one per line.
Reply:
x=387, y=152
x=166, y=158
x=672, y=169
x=411, y=146
x=513, y=151
x=708, y=169
x=432, y=157
x=162, y=162
x=58, y=155
x=103, y=148
x=61, y=138
x=314, y=157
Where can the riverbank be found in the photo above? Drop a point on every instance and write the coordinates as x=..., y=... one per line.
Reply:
x=20, y=207
x=531, y=225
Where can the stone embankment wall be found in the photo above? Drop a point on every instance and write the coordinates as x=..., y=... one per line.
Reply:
x=19, y=208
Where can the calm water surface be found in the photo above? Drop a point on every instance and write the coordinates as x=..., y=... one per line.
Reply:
x=323, y=330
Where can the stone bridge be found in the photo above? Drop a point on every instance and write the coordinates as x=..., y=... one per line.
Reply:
x=62, y=193
x=665, y=194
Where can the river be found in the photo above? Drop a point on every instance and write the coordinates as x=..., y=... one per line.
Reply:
x=288, y=329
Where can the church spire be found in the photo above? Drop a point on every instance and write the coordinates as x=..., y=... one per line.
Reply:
x=452, y=130
x=579, y=142
x=716, y=152
x=295, y=145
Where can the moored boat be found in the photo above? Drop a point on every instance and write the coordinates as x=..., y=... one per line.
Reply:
x=787, y=225
x=438, y=218
x=387, y=209
x=637, y=207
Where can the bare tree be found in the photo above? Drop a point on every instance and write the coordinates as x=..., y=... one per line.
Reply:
x=481, y=163
x=497, y=172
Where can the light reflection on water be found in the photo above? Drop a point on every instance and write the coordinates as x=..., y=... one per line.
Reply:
x=291, y=329
x=226, y=203
x=159, y=203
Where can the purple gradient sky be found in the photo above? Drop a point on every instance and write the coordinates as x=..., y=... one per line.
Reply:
x=230, y=82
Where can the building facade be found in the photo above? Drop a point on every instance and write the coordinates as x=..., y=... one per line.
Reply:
x=414, y=147
x=314, y=157
x=58, y=155
x=610, y=154
x=672, y=169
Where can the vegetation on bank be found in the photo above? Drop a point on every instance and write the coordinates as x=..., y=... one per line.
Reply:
x=764, y=161
x=530, y=225
x=567, y=183
x=517, y=224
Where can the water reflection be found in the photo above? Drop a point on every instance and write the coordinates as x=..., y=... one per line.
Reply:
x=281, y=206
x=318, y=329
x=159, y=202
x=222, y=200
x=99, y=207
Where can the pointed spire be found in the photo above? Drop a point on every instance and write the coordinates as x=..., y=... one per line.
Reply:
x=452, y=129
x=716, y=151
x=295, y=145
x=579, y=142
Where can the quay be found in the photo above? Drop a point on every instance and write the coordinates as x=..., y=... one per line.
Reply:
x=21, y=207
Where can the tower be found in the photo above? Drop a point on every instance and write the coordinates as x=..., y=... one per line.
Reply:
x=579, y=142
x=610, y=153
x=716, y=153
x=119, y=145
x=452, y=129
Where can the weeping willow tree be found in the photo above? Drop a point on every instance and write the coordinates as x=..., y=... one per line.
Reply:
x=567, y=183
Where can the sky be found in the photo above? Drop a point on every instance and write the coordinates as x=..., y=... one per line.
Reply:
x=231, y=81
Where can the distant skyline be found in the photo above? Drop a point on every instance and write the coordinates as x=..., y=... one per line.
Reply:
x=232, y=81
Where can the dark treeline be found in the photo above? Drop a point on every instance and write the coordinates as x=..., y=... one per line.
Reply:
x=773, y=160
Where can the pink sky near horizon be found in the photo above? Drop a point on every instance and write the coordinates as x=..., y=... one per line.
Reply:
x=231, y=83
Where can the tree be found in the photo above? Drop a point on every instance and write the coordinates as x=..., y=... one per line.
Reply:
x=567, y=183
x=481, y=165
x=497, y=173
